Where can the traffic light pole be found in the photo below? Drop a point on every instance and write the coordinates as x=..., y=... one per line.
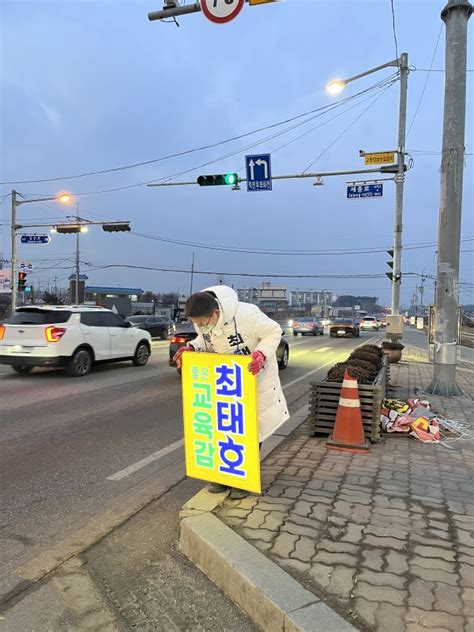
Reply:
x=399, y=184
x=455, y=15
x=78, y=271
x=14, y=280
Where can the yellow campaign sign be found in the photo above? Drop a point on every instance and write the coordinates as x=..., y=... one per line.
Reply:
x=221, y=420
x=379, y=158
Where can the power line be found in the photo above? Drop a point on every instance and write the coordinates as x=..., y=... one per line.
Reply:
x=359, y=116
x=316, y=111
x=394, y=29
x=426, y=80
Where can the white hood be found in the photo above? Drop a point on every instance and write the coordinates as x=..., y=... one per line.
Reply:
x=227, y=299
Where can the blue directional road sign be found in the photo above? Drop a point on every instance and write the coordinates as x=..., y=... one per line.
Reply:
x=364, y=191
x=35, y=239
x=259, y=172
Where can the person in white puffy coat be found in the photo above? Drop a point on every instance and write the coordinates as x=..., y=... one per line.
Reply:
x=225, y=325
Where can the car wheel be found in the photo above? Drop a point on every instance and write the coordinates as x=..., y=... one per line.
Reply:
x=142, y=354
x=164, y=335
x=22, y=369
x=321, y=333
x=80, y=363
x=295, y=333
x=284, y=360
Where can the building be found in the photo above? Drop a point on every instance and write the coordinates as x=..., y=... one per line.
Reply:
x=120, y=298
x=270, y=298
x=309, y=298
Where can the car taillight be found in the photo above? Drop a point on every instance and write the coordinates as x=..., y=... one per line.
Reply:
x=178, y=339
x=54, y=334
x=2, y=331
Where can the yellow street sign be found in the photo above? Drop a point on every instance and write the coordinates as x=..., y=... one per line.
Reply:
x=221, y=420
x=254, y=2
x=380, y=158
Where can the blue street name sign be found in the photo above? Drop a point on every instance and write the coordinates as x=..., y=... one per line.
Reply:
x=364, y=191
x=259, y=172
x=35, y=239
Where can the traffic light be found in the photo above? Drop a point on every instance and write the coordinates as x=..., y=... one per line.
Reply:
x=116, y=227
x=67, y=229
x=219, y=179
x=21, y=281
x=390, y=264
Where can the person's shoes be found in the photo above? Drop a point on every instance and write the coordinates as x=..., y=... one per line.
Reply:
x=237, y=494
x=217, y=488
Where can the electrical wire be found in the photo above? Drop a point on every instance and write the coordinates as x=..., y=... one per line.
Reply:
x=312, y=114
x=426, y=80
x=359, y=116
x=394, y=29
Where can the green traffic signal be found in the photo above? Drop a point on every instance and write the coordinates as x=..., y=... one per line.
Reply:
x=219, y=179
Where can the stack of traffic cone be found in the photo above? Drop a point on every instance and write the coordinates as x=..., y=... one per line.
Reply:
x=348, y=431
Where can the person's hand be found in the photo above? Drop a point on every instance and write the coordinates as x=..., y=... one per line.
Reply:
x=258, y=362
x=179, y=353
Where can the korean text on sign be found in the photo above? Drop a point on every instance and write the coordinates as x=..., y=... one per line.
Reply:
x=220, y=420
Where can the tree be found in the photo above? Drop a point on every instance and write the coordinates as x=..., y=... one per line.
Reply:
x=50, y=298
x=149, y=297
x=169, y=299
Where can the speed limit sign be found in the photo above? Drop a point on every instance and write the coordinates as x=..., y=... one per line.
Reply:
x=221, y=11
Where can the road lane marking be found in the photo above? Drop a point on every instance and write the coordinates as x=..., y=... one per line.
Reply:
x=321, y=366
x=322, y=349
x=131, y=469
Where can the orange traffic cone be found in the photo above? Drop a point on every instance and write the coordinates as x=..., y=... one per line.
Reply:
x=348, y=431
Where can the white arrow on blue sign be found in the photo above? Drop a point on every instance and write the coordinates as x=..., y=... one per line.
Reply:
x=35, y=239
x=259, y=172
x=364, y=191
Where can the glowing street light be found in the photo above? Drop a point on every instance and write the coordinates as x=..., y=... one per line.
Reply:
x=336, y=86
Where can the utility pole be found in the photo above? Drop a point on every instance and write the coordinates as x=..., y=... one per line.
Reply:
x=78, y=270
x=399, y=183
x=14, y=279
x=455, y=15
x=192, y=277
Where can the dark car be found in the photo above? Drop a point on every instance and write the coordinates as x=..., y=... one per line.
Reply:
x=344, y=327
x=311, y=326
x=157, y=326
x=185, y=332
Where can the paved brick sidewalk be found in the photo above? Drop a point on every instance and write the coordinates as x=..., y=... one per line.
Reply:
x=387, y=538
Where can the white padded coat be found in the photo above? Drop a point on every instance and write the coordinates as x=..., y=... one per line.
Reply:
x=243, y=327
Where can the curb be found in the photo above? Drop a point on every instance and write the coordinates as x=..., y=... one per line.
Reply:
x=272, y=598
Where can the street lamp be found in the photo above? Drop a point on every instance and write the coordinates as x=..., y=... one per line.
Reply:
x=63, y=198
x=335, y=87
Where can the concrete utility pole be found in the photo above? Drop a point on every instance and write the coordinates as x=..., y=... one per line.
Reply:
x=399, y=183
x=78, y=264
x=14, y=279
x=455, y=15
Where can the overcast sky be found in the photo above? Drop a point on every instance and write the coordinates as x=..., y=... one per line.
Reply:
x=88, y=86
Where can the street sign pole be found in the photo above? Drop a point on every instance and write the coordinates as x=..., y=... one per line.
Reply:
x=14, y=279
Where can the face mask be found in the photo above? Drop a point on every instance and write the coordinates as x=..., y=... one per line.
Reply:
x=206, y=329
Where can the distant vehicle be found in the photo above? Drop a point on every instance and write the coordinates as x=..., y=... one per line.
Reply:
x=157, y=326
x=382, y=321
x=369, y=323
x=70, y=336
x=185, y=332
x=344, y=327
x=305, y=326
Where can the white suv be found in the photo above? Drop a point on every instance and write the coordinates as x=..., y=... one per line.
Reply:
x=73, y=337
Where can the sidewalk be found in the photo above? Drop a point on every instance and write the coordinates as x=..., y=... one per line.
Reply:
x=385, y=539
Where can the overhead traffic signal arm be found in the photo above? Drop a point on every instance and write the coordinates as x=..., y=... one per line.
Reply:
x=229, y=179
x=116, y=227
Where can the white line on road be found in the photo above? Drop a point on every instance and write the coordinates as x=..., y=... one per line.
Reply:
x=322, y=349
x=131, y=469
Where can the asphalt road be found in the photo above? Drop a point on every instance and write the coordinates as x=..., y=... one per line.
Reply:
x=79, y=457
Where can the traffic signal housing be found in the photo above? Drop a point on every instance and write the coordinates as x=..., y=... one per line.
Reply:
x=68, y=229
x=116, y=227
x=390, y=264
x=229, y=179
x=21, y=281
